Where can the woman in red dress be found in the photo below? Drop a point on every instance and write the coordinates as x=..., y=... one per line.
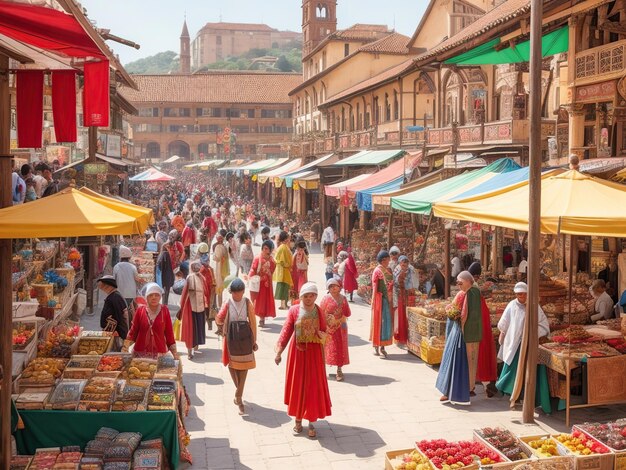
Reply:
x=350, y=275
x=306, y=387
x=335, y=310
x=264, y=266
x=151, y=331
x=300, y=267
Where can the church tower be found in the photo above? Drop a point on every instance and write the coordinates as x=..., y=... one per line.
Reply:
x=185, y=50
x=319, y=19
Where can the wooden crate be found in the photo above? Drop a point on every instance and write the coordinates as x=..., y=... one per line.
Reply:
x=564, y=461
x=589, y=462
x=392, y=454
x=618, y=456
x=435, y=327
x=507, y=464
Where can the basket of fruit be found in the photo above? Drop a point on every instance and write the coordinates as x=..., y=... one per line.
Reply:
x=546, y=447
x=23, y=334
x=464, y=455
x=406, y=459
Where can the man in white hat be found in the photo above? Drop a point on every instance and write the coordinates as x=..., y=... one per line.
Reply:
x=394, y=254
x=126, y=275
x=511, y=326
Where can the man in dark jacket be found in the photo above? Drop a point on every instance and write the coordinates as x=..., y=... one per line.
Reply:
x=114, y=307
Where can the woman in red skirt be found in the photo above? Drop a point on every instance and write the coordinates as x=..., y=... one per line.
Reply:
x=405, y=283
x=306, y=387
x=264, y=266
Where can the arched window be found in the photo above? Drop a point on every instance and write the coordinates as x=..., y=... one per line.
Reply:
x=396, y=106
x=387, y=108
x=452, y=100
x=322, y=11
x=359, y=118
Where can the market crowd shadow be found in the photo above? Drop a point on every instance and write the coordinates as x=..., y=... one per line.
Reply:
x=214, y=453
x=266, y=417
x=354, y=340
x=366, y=380
x=346, y=440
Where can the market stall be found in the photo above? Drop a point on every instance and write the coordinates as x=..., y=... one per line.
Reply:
x=586, y=360
x=74, y=371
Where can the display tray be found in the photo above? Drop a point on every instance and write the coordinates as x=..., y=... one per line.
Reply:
x=562, y=461
x=66, y=395
x=392, y=454
x=589, y=462
x=508, y=463
x=33, y=399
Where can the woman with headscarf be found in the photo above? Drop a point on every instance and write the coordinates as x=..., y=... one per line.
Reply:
x=264, y=266
x=188, y=237
x=194, y=305
x=282, y=275
x=246, y=255
x=381, y=332
x=453, y=380
x=236, y=319
x=472, y=322
x=335, y=310
x=164, y=272
x=222, y=264
x=306, y=387
x=300, y=267
x=405, y=283
x=151, y=331
x=176, y=249
x=350, y=274
x=233, y=250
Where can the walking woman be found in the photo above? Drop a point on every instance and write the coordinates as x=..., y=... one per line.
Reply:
x=300, y=268
x=381, y=333
x=246, y=256
x=335, y=310
x=282, y=275
x=209, y=281
x=194, y=304
x=264, y=266
x=165, y=273
x=151, y=330
x=222, y=264
x=306, y=388
x=350, y=274
x=471, y=320
x=405, y=283
x=236, y=320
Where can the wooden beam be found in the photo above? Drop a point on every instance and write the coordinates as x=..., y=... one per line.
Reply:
x=22, y=59
x=614, y=27
x=6, y=313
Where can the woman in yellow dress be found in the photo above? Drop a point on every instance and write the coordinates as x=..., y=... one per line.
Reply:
x=282, y=274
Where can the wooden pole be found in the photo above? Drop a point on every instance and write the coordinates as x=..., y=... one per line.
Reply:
x=6, y=314
x=534, y=222
x=389, y=228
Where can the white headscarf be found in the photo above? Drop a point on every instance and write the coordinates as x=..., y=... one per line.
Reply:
x=152, y=288
x=308, y=288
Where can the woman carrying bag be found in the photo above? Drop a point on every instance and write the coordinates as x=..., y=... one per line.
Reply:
x=236, y=320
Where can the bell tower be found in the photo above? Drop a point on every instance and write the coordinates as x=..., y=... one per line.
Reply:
x=319, y=19
x=185, y=50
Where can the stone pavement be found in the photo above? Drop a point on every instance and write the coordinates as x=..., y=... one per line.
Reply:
x=382, y=405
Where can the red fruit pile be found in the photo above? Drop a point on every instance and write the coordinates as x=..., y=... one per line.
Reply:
x=462, y=453
x=611, y=434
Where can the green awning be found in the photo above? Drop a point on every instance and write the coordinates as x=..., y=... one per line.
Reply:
x=552, y=43
x=370, y=157
x=421, y=200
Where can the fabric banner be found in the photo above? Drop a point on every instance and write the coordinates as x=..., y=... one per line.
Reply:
x=96, y=105
x=64, y=105
x=29, y=100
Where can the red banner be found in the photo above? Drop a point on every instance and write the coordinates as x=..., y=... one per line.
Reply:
x=64, y=105
x=96, y=105
x=29, y=102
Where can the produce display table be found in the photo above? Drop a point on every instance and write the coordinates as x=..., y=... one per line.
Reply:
x=604, y=380
x=52, y=428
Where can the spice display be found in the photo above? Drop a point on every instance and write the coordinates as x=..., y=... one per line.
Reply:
x=42, y=371
x=23, y=333
x=142, y=368
x=162, y=395
x=93, y=345
x=505, y=442
x=59, y=341
x=573, y=334
x=66, y=395
x=83, y=362
x=113, y=362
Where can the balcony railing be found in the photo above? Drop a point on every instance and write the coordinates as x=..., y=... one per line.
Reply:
x=500, y=132
x=602, y=60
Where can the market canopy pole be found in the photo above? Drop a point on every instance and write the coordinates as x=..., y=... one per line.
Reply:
x=6, y=313
x=534, y=219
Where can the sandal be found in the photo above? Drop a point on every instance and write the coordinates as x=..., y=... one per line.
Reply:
x=312, y=432
x=262, y=323
x=376, y=353
x=339, y=376
x=297, y=429
x=383, y=352
x=443, y=399
x=239, y=403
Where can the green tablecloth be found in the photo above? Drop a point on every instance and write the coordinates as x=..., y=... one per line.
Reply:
x=51, y=428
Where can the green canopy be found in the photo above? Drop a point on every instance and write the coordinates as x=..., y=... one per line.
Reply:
x=421, y=200
x=487, y=54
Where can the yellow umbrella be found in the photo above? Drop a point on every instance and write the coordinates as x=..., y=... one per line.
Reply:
x=139, y=210
x=571, y=202
x=73, y=213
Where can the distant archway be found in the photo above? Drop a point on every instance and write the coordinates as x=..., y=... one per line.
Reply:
x=180, y=148
x=153, y=150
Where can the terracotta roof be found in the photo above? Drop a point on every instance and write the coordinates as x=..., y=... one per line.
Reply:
x=357, y=32
x=185, y=33
x=395, y=43
x=373, y=82
x=238, y=26
x=498, y=15
x=213, y=87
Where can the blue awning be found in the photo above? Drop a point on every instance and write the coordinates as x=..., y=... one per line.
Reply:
x=364, y=198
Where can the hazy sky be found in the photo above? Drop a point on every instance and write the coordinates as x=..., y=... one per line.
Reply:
x=156, y=24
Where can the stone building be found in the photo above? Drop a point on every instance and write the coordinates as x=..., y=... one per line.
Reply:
x=217, y=41
x=190, y=115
